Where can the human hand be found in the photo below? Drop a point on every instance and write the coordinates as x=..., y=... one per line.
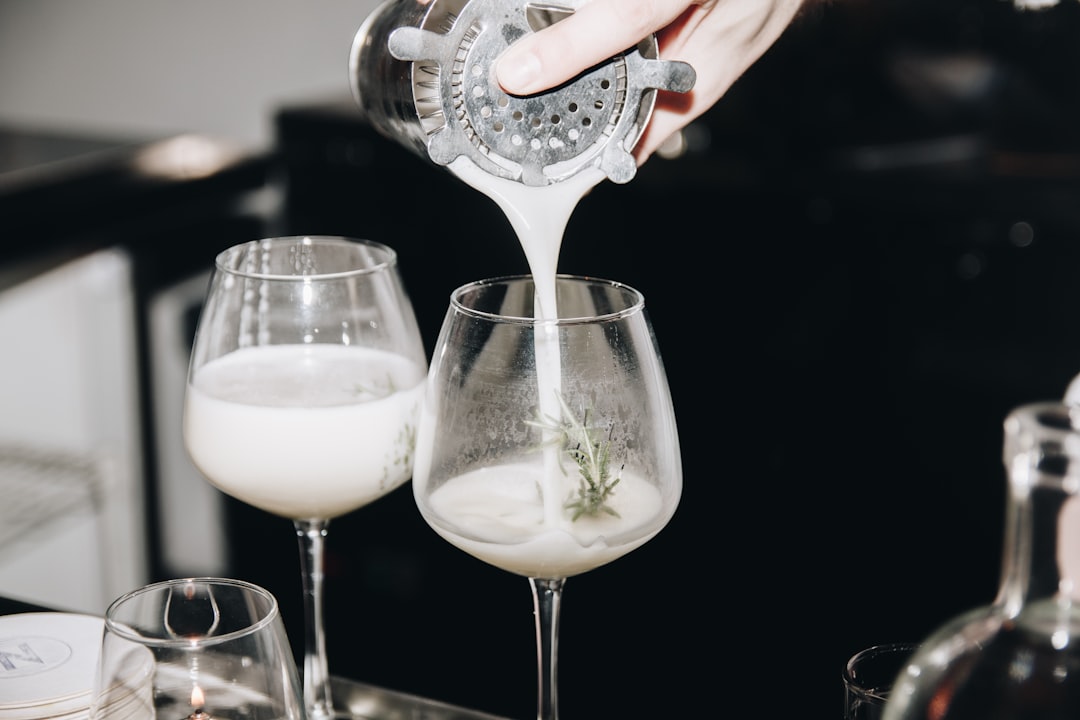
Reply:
x=720, y=39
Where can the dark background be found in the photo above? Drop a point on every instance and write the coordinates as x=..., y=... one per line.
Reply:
x=868, y=257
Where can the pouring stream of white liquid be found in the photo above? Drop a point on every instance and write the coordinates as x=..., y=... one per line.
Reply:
x=539, y=215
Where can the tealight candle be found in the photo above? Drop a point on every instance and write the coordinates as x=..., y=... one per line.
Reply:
x=198, y=700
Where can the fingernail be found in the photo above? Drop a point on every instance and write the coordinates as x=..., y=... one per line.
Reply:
x=517, y=74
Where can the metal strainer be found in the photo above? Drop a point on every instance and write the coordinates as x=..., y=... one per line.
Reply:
x=424, y=75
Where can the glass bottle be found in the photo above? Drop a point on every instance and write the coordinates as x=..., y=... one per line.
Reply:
x=1018, y=657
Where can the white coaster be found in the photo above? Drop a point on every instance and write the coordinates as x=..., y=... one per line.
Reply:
x=47, y=664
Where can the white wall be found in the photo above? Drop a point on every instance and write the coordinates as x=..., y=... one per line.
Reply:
x=152, y=67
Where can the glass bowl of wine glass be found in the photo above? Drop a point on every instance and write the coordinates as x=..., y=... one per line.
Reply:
x=547, y=444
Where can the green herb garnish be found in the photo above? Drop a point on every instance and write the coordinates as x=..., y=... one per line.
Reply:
x=583, y=445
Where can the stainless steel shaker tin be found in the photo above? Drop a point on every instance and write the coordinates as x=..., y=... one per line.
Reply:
x=423, y=74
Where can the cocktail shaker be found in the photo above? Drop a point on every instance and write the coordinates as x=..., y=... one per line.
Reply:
x=423, y=74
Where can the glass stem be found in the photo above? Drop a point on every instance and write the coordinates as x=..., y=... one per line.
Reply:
x=317, y=700
x=547, y=596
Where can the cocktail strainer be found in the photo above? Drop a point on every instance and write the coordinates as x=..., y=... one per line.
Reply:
x=423, y=74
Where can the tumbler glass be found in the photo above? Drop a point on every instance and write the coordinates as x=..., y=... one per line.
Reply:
x=868, y=677
x=197, y=648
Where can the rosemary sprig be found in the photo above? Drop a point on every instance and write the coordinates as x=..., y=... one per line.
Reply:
x=581, y=443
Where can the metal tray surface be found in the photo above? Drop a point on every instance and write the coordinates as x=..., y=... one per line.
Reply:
x=369, y=702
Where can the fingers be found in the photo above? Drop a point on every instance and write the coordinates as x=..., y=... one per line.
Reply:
x=721, y=46
x=595, y=32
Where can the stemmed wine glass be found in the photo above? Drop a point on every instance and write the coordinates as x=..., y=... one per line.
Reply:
x=305, y=382
x=547, y=444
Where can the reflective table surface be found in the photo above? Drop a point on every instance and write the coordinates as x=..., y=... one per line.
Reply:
x=361, y=700
x=375, y=703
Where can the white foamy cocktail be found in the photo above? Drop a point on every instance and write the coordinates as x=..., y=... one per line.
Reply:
x=492, y=486
x=512, y=513
x=497, y=514
x=304, y=431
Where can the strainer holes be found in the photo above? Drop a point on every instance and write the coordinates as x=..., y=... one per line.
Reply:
x=535, y=144
x=599, y=104
x=536, y=122
x=572, y=107
x=503, y=101
x=517, y=115
x=555, y=119
x=586, y=122
x=605, y=84
x=498, y=127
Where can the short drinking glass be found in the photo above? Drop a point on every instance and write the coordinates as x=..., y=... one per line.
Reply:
x=868, y=678
x=200, y=649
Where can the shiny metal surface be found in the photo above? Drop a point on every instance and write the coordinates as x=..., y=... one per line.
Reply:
x=426, y=77
x=375, y=703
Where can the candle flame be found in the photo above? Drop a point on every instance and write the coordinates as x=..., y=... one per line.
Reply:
x=197, y=698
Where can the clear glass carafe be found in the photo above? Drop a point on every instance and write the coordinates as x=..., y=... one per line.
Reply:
x=1018, y=657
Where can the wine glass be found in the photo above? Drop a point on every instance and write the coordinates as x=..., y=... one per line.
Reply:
x=547, y=447
x=305, y=382
x=197, y=648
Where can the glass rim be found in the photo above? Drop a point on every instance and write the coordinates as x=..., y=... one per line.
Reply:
x=125, y=631
x=388, y=261
x=854, y=684
x=636, y=306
